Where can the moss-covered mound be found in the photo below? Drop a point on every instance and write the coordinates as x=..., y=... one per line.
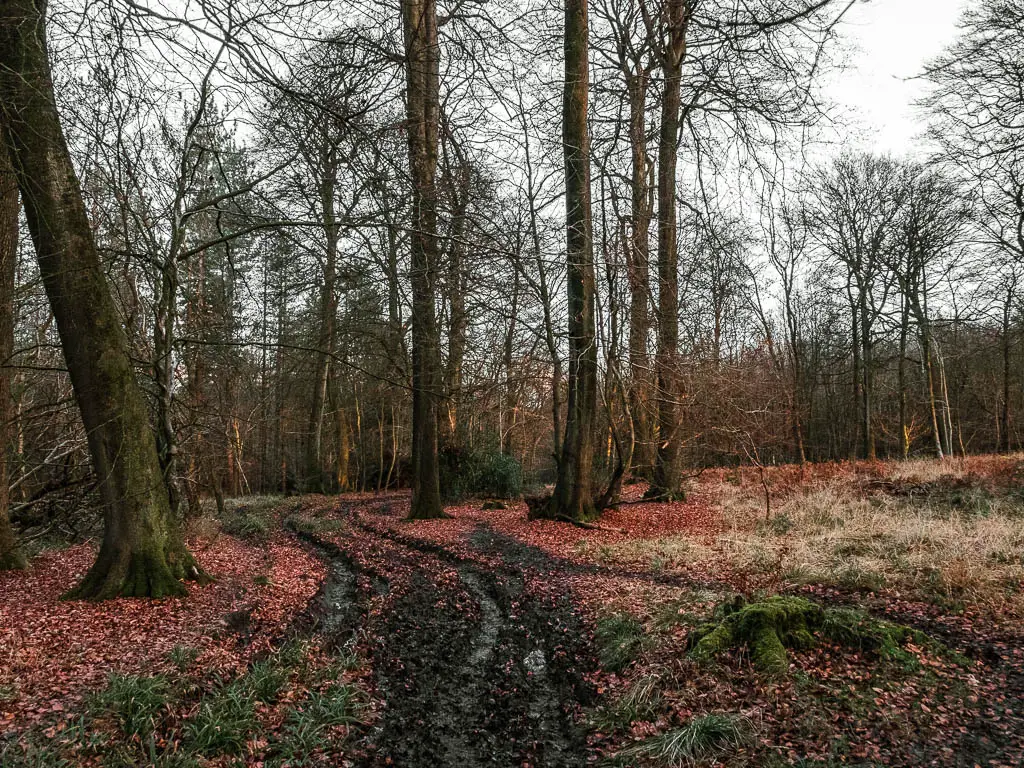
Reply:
x=768, y=627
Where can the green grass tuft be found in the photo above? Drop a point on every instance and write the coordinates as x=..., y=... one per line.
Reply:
x=620, y=639
x=703, y=738
x=305, y=727
x=264, y=681
x=182, y=656
x=224, y=721
x=640, y=702
x=134, y=702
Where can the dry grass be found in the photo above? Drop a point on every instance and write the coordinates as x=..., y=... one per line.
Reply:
x=951, y=531
x=940, y=529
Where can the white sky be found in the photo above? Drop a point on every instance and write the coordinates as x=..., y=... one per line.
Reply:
x=890, y=41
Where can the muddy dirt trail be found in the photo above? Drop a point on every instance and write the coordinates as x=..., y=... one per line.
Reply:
x=474, y=666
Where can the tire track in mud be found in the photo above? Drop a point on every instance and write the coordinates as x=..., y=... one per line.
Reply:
x=473, y=669
x=337, y=610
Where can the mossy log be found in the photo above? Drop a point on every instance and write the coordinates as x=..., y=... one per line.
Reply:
x=769, y=627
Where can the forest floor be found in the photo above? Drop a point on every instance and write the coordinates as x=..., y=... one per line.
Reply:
x=337, y=633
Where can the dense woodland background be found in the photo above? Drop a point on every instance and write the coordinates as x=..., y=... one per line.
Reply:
x=246, y=176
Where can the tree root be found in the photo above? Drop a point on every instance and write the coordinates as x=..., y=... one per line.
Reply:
x=664, y=495
x=138, y=574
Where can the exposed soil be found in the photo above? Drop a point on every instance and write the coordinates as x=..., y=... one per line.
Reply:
x=476, y=665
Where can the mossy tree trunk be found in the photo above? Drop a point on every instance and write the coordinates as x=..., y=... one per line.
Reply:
x=573, y=497
x=10, y=554
x=142, y=553
x=419, y=19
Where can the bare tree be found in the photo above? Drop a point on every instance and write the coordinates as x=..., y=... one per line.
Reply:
x=573, y=497
x=932, y=228
x=858, y=201
x=419, y=22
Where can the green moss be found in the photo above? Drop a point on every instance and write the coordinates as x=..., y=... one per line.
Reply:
x=769, y=627
x=714, y=639
x=768, y=652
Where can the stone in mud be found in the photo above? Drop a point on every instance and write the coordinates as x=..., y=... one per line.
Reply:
x=535, y=662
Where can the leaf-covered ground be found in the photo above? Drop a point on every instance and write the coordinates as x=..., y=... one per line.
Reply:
x=338, y=633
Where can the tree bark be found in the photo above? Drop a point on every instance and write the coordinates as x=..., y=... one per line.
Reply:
x=858, y=381
x=143, y=552
x=902, y=379
x=1004, y=413
x=666, y=481
x=929, y=372
x=639, y=258
x=573, y=496
x=459, y=190
x=328, y=314
x=10, y=555
x=419, y=18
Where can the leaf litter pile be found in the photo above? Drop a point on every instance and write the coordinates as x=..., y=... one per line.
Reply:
x=344, y=635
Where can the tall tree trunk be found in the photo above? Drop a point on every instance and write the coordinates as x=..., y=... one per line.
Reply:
x=163, y=376
x=638, y=253
x=902, y=379
x=328, y=321
x=868, y=385
x=550, y=340
x=10, y=554
x=573, y=496
x=947, y=414
x=796, y=362
x=666, y=481
x=344, y=450
x=857, y=380
x=458, y=318
x=510, y=398
x=1004, y=413
x=929, y=373
x=143, y=553
x=419, y=19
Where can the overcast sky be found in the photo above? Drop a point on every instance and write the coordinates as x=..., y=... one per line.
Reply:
x=890, y=41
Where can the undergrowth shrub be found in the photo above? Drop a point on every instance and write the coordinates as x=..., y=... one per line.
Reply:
x=245, y=525
x=490, y=473
x=314, y=525
x=249, y=517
